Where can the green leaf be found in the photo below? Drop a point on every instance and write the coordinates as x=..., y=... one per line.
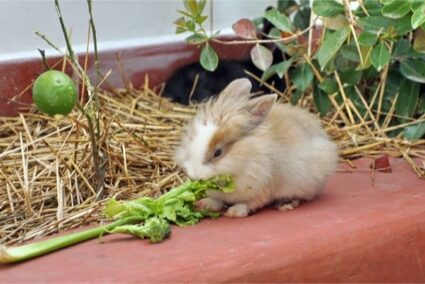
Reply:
x=200, y=19
x=155, y=229
x=279, y=20
x=413, y=70
x=329, y=86
x=418, y=17
x=327, y=8
x=416, y=4
x=283, y=5
x=190, y=26
x=367, y=39
x=335, y=23
x=330, y=46
x=374, y=24
x=302, y=18
x=261, y=56
x=380, y=56
x=402, y=26
x=350, y=52
x=279, y=69
x=201, y=6
x=351, y=77
x=396, y=9
x=258, y=22
x=387, y=2
x=407, y=101
x=196, y=39
x=392, y=87
x=322, y=101
x=295, y=97
x=180, y=30
x=302, y=77
x=401, y=48
x=373, y=8
x=191, y=6
x=209, y=58
x=414, y=132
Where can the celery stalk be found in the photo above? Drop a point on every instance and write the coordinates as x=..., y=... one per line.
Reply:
x=175, y=206
x=25, y=252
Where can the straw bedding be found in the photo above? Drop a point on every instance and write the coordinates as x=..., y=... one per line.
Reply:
x=47, y=175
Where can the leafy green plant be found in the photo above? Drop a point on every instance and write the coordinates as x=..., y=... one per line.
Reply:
x=145, y=218
x=369, y=60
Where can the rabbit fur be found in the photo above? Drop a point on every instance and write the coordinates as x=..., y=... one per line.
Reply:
x=275, y=152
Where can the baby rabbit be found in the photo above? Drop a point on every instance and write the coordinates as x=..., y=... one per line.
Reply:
x=275, y=152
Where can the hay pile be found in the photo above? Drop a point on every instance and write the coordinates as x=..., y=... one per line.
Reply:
x=46, y=171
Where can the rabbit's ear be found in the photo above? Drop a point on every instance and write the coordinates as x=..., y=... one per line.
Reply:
x=238, y=87
x=259, y=108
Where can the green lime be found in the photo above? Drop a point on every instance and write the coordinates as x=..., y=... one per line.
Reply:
x=54, y=92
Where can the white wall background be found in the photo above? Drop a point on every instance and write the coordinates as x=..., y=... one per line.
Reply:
x=118, y=22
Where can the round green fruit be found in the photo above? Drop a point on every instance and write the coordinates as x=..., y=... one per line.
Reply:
x=54, y=92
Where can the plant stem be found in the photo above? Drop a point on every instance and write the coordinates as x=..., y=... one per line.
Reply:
x=25, y=252
x=92, y=91
x=65, y=33
x=284, y=40
x=94, y=148
x=43, y=58
x=96, y=64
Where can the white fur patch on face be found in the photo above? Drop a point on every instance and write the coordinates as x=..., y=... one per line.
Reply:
x=194, y=165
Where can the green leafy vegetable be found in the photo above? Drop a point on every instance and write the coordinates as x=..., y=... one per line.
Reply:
x=155, y=229
x=145, y=218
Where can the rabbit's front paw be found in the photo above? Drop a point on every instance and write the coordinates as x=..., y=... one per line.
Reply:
x=288, y=206
x=209, y=204
x=237, y=210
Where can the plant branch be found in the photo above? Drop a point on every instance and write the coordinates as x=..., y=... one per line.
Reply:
x=96, y=64
x=43, y=58
x=353, y=31
x=94, y=132
x=254, y=41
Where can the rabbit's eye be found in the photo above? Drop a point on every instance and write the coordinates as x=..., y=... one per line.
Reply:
x=217, y=153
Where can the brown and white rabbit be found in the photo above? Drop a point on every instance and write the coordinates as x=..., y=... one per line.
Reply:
x=275, y=152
